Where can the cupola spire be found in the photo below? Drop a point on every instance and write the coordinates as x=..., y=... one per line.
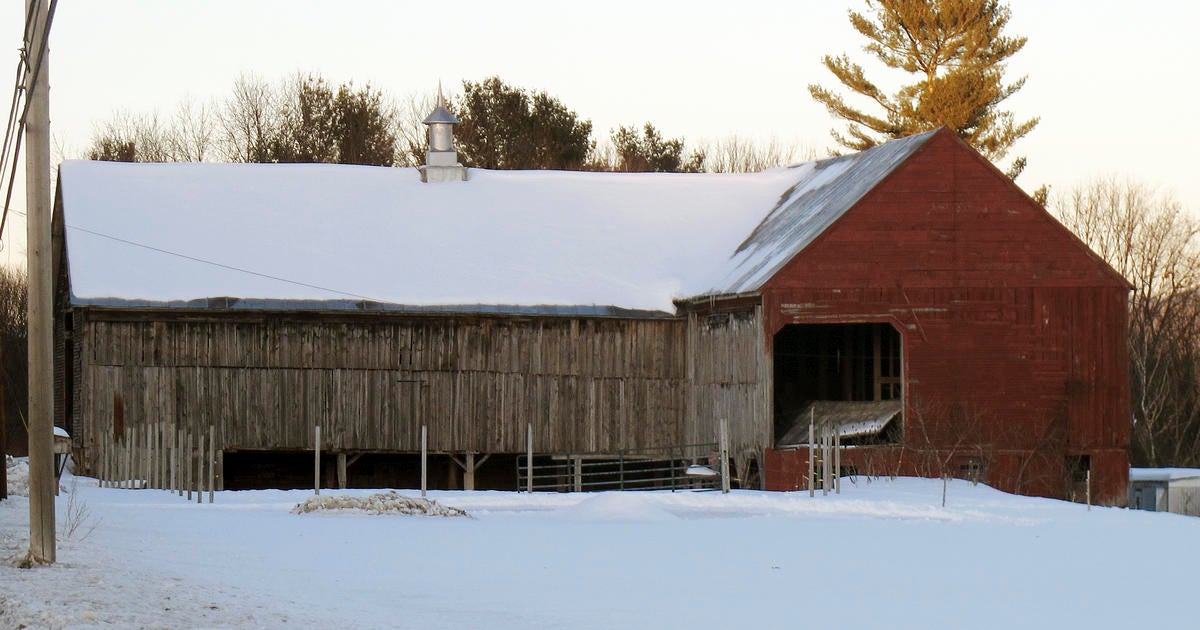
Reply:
x=441, y=158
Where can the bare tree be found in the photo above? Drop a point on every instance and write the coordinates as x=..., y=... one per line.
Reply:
x=247, y=120
x=127, y=137
x=1147, y=236
x=193, y=133
x=735, y=154
x=411, y=134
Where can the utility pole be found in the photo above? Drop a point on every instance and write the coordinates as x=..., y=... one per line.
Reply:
x=41, y=343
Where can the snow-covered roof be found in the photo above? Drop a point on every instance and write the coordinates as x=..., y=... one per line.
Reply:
x=344, y=236
x=1163, y=474
x=850, y=419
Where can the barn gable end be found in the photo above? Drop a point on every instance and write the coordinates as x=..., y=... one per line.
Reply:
x=1012, y=333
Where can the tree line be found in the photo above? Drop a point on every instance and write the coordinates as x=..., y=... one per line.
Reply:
x=305, y=118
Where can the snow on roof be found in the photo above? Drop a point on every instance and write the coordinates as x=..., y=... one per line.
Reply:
x=171, y=234
x=851, y=419
x=825, y=191
x=1163, y=474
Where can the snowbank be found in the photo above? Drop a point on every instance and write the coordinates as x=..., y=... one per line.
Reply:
x=18, y=475
x=882, y=554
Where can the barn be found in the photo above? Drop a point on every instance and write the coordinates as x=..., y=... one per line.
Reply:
x=908, y=298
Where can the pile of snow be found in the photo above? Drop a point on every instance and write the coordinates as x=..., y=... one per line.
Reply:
x=390, y=502
x=18, y=475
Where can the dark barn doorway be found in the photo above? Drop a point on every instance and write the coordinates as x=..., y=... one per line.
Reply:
x=834, y=362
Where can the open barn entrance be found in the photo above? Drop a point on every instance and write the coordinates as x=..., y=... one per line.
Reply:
x=843, y=376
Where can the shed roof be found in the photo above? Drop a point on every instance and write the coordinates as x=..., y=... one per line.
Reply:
x=340, y=236
x=1163, y=474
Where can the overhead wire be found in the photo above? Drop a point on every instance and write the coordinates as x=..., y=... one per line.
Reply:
x=213, y=262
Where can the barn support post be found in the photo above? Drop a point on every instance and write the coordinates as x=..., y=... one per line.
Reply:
x=341, y=470
x=529, y=458
x=468, y=465
x=212, y=439
x=724, y=455
x=469, y=472
x=812, y=467
x=317, y=460
x=579, y=474
x=424, y=459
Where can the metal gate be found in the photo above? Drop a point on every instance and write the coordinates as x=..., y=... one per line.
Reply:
x=684, y=467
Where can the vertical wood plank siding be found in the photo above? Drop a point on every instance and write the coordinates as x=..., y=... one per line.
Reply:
x=587, y=384
x=730, y=372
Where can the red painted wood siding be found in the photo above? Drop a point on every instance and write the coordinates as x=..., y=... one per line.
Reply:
x=1014, y=332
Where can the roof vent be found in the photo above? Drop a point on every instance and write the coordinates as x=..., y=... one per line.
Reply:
x=441, y=159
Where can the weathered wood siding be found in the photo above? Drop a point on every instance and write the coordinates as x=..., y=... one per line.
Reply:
x=264, y=380
x=1009, y=324
x=729, y=367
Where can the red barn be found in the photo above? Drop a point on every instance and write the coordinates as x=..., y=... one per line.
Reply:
x=909, y=297
x=998, y=336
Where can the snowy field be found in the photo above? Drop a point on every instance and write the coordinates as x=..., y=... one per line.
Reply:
x=883, y=554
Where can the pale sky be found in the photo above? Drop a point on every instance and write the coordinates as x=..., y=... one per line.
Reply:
x=1113, y=81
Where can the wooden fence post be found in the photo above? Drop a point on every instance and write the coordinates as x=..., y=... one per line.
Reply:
x=179, y=478
x=724, y=454
x=424, y=459
x=212, y=439
x=200, y=471
x=1089, y=487
x=529, y=458
x=189, y=455
x=812, y=465
x=837, y=460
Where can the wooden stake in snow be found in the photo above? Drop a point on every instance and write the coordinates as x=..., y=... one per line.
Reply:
x=529, y=458
x=1089, y=488
x=212, y=447
x=723, y=450
x=812, y=451
x=424, y=459
x=200, y=471
x=837, y=460
x=189, y=454
x=317, y=460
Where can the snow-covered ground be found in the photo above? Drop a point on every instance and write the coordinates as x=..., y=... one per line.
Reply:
x=883, y=554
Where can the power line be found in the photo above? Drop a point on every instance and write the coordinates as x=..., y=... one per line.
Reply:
x=212, y=262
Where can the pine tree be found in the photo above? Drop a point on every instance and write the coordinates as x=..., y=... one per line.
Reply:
x=505, y=127
x=956, y=51
x=648, y=151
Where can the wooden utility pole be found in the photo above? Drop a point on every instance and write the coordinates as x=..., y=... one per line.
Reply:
x=41, y=343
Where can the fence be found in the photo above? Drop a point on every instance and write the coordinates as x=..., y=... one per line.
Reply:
x=690, y=467
x=161, y=457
